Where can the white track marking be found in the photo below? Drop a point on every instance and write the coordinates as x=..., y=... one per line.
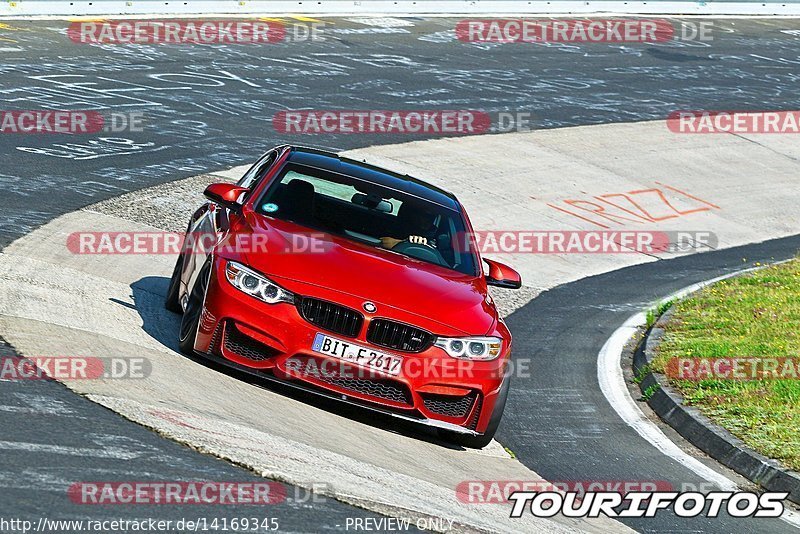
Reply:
x=42, y=404
x=383, y=22
x=612, y=383
x=114, y=453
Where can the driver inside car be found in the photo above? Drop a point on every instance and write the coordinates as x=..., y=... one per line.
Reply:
x=417, y=223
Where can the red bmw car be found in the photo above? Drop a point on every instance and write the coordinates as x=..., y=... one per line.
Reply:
x=350, y=281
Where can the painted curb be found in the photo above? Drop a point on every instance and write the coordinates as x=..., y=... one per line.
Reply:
x=699, y=430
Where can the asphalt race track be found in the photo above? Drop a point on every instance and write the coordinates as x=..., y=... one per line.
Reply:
x=208, y=108
x=211, y=107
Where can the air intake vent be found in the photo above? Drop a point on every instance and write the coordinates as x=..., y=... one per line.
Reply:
x=245, y=346
x=449, y=406
x=383, y=389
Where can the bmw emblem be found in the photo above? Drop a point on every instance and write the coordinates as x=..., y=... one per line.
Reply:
x=370, y=307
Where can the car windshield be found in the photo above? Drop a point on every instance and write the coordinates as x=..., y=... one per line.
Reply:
x=370, y=213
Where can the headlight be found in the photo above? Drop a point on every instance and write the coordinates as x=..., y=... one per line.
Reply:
x=471, y=348
x=256, y=285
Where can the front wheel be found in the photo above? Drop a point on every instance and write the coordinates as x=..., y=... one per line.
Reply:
x=479, y=442
x=172, y=301
x=190, y=321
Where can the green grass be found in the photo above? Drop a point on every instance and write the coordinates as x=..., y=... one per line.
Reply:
x=654, y=313
x=757, y=315
x=648, y=393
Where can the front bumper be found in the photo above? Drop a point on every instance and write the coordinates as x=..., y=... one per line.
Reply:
x=274, y=341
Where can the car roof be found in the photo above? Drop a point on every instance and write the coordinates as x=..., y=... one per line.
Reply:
x=330, y=161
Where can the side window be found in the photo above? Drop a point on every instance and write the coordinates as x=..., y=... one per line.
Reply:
x=255, y=172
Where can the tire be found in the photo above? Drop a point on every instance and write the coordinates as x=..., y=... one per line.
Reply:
x=190, y=321
x=172, y=301
x=479, y=442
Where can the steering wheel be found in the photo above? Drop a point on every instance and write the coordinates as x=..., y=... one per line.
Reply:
x=421, y=252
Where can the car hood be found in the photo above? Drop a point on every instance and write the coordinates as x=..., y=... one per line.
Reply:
x=441, y=300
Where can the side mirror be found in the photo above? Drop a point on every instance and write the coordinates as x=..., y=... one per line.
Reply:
x=226, y=195
x=502, y=275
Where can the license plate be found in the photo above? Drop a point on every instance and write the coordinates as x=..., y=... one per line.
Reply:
x=358, y=355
